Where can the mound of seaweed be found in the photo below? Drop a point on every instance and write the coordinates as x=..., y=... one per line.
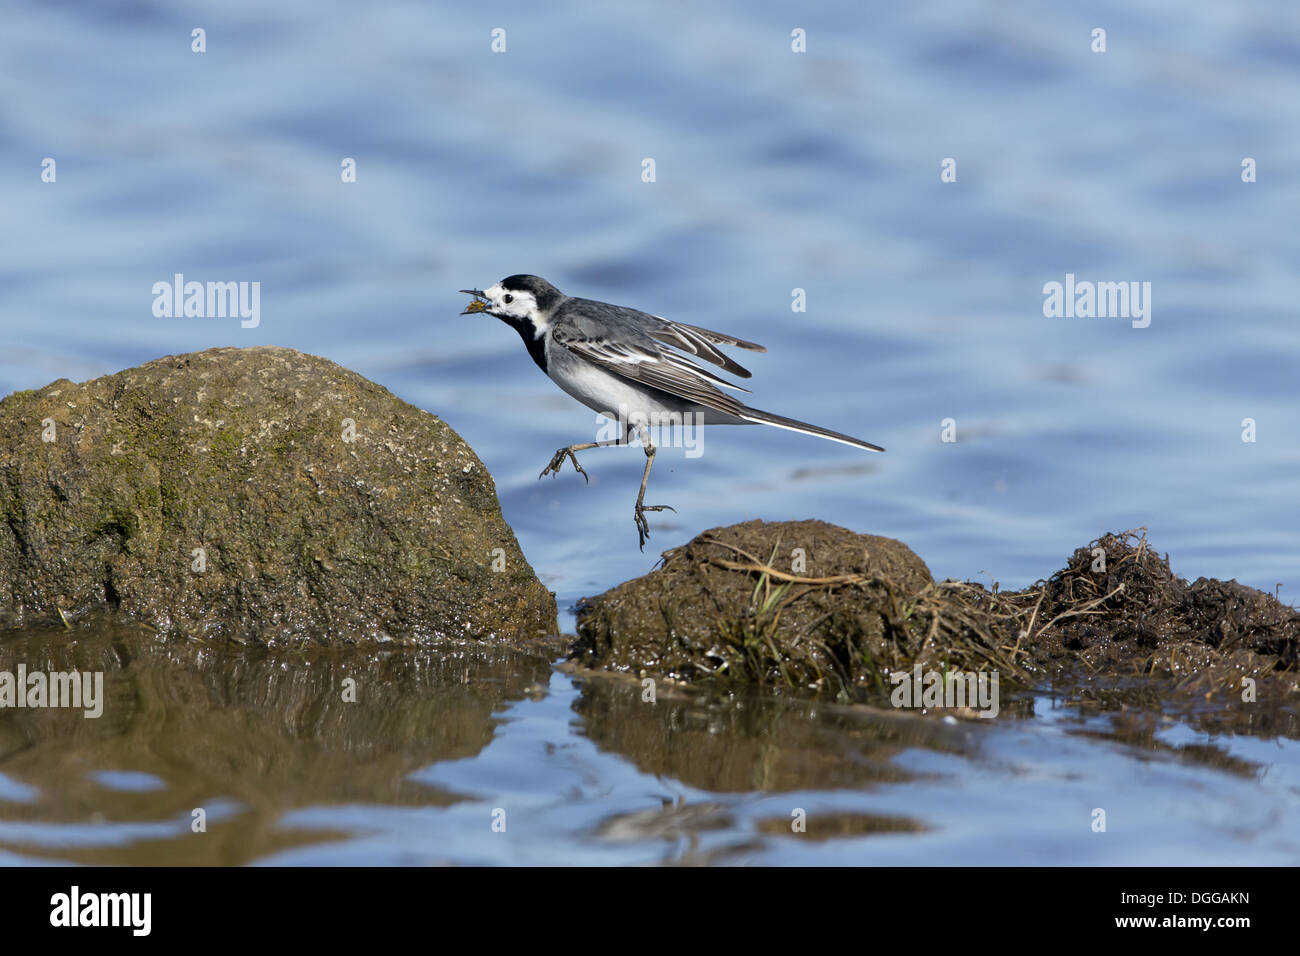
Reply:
x=1117, y=602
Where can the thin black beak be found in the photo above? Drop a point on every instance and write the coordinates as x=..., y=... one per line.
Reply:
x=474, y=292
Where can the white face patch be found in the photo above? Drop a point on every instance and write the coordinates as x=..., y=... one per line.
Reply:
x=519, y=305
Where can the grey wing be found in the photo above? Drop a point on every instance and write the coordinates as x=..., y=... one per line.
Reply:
x=689, y=338
x=635, y=356
x=701, y=342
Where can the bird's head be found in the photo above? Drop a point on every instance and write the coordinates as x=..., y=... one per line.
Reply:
x=517, y=300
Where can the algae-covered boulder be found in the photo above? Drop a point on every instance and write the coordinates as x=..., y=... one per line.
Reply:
x=258, y=495
x=796, y=604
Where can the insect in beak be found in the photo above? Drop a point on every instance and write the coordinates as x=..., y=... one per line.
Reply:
x=478, y=305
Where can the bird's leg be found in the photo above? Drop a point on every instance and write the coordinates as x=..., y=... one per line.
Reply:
x=642, y=525
x=558, y=461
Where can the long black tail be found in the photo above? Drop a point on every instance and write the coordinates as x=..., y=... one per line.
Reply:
x=780, y=421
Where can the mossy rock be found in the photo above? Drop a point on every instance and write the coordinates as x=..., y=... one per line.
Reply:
x=788, y=604
x=258, y=495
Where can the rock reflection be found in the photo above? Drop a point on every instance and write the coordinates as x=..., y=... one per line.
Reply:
x=243, y=734
x=743, y=744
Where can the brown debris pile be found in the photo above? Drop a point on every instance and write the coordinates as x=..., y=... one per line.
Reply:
x=810, y=605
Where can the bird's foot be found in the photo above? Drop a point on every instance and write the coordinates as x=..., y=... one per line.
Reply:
x=642, y=525
x=558, y=462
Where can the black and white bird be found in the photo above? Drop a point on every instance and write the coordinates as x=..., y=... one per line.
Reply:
x=630, y=366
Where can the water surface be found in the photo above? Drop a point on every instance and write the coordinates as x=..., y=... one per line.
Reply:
x=775, y=171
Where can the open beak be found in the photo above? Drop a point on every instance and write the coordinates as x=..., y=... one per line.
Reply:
x=478, y=305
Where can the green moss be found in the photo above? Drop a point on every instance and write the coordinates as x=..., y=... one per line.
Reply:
x=291, y=439
x=306, y=522
x=224, y=447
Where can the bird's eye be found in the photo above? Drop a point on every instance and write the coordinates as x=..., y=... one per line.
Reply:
x=508, y=299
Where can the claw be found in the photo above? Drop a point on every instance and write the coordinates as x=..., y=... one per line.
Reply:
x=642, y=528
x=557, y=463
x=642, y=525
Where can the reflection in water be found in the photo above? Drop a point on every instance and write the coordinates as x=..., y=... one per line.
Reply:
x=752, y=744
x=246, y=735
x=441, y=740
x=742, y=744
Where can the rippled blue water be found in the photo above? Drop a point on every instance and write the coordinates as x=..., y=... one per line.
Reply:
x=774, y=171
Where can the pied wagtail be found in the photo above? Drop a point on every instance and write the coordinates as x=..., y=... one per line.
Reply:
x=612, y=358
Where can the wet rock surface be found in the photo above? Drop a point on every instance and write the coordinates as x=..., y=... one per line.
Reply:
x=807, y=605
x=796, y=604
x=713, y=611
x=258, y=495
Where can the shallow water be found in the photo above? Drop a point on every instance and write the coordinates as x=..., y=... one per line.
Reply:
x=775, y=171
x=471, y=754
